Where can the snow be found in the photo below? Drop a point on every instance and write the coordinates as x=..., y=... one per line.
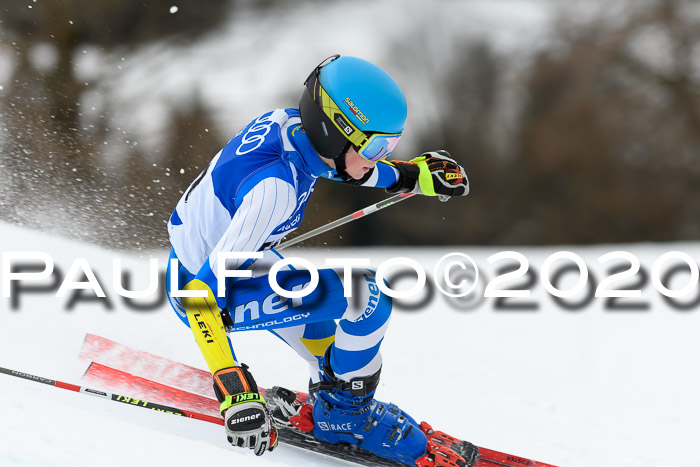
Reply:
x=572, y=388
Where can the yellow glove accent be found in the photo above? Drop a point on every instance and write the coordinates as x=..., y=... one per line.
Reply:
x=206, y=324
x=425, y=178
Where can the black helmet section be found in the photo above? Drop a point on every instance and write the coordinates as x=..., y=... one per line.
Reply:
x=323, y=135
x=326, y=139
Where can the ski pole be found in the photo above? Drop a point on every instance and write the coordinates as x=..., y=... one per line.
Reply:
x=344, y=220
x=114, y=397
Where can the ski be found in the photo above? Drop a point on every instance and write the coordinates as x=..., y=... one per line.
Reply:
x=139, y=363
x=450, y=449
x=116, y=380
x=105, y=377
x=142, y=374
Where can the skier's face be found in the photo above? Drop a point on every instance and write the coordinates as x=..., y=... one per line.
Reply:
x=357, y=166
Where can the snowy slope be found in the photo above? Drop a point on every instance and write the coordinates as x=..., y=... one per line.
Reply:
x=591, y=387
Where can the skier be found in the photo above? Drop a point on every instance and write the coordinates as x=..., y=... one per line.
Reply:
x=253, y=193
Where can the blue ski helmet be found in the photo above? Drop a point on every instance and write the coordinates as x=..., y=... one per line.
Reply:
x=350, y=101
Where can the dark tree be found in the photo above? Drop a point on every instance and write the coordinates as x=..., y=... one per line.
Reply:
x=58, y=174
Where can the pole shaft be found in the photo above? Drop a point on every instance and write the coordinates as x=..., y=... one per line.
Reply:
x=114, y=397
x=344, y=220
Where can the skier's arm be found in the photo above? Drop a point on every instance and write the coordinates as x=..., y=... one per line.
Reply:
x=247, y=420
x=260, y=212
x=383, y=175
x=432, y=174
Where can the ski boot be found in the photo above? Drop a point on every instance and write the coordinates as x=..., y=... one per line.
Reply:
x=346, y=412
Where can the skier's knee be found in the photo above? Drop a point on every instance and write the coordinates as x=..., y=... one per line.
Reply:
x=370, y=304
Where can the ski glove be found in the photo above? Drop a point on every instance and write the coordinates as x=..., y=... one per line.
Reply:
x=248, y=422
x=432, y=174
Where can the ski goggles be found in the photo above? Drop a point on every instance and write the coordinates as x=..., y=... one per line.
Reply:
x=371, y=146
x=378, y=146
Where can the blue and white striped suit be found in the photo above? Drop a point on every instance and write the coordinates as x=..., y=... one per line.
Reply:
x=254, y=193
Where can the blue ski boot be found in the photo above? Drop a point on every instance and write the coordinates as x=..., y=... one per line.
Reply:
x=346, y=412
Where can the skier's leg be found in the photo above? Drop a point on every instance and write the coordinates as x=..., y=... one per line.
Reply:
x=361, y=330
x=344, y=408
x=310, y=342
x=184, y=276
x=305, y=324
x=254, y=305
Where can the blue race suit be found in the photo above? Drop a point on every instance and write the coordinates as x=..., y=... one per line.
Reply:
x=252, y=194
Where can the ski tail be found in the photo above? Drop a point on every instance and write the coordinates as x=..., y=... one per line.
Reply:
x=116, y=380
x=146, y=365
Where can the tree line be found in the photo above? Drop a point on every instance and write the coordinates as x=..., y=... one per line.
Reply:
x=592, y=138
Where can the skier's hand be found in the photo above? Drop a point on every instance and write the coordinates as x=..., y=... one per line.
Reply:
x=248, y=422
x=432, y=174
